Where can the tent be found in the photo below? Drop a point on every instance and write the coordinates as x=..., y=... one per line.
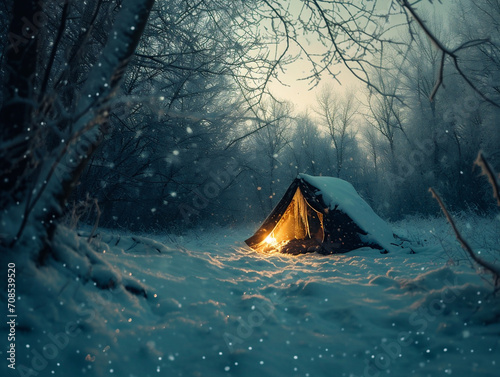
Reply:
x=324, y=215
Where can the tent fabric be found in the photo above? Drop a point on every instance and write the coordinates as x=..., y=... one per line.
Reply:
x=322, y=214
x=300, y=221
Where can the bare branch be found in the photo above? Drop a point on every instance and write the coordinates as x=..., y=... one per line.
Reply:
x=487, y=170
x=447, y=52
x=439, y=79
x=465, y=245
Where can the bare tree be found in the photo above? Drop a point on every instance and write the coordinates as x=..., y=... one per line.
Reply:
x=337, y=116
x=45, y=176
x=308, y=147
x=385, y=116
x=373, y=145
x=270, y=144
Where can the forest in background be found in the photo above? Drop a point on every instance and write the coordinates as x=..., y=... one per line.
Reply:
x=183, y=130
x=191, y=166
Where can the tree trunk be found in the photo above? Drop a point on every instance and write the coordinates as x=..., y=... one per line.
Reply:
x=15, y=115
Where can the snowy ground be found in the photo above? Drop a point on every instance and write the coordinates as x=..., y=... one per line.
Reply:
x=206, y=305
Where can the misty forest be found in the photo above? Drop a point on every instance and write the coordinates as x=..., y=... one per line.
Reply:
x=235, y=188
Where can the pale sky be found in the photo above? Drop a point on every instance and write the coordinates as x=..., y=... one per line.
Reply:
x=300, y=93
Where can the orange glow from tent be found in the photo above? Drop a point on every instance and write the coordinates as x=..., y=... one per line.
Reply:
x=270, y=239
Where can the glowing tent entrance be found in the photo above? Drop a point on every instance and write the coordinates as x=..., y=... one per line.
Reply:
x=324, y=215
x=299, y=222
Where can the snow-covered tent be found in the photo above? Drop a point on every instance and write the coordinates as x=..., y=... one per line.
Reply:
x=324, y=215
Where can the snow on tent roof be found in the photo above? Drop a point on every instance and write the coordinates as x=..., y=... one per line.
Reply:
x=337, y=193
